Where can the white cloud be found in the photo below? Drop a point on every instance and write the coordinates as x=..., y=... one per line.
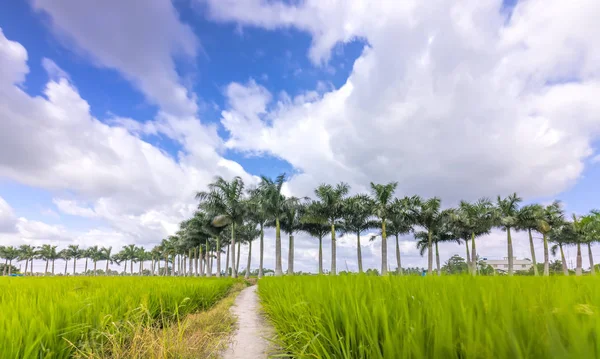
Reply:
x=8, y=220
x=449, y=99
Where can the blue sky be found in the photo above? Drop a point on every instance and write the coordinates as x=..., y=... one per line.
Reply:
x=459, y=101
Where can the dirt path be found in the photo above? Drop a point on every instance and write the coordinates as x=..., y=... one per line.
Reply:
x=251, y=337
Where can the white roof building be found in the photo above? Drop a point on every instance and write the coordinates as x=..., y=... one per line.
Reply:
x=502, y=264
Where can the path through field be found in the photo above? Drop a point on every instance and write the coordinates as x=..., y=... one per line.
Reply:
x=250, y=340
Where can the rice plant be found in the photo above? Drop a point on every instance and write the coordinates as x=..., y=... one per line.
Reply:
x=60, y=317
x=447, y=317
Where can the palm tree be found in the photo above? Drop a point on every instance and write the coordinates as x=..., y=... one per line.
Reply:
x=75, y=253
x=95, y=254
x=48, y=253
x=508, y=211
x=529, y=218
x=27, y=253
x=273, y=203
x=65, y=255
x=248, y=232
x=106, y=255
x=128, y=253
x=562, y=235
x=225, y=199
x=290, y=223
x=9, y=254
x=330, y=208
x=316, y=226
x=440, y=232
x=591, y=232
x=552, y=217
x=383, y=195
x=401, y=221
x=428, y=216
x=257, y=211
x=357, y=217
x=476, y=219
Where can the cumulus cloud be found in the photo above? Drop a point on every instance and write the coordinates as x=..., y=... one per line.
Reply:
x=8, y=220
x=449, y=99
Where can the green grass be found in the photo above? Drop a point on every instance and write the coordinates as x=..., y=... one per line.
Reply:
x=447, y=317
x=62, y=317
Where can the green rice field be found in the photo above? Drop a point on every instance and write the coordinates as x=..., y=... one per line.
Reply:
x=445, y=317
x=61, y=317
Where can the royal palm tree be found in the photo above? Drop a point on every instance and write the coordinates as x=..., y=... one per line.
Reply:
x=48, y=253
x=27, y=253
x=427, y=215
x=528, y=219
x=316, y=226
x=75, y=253
x=507, y=219
x=291, y=223
x=95, y=254
x=552, y=217
x=401, y=221
x=562, y=235
x=442, y=231
x=591, y=232
x=257, y=211
x=357, y=218
x=225, y=199
x=107, y=256
x=248, y=232
x=383, y=196
x=66, y=256
x=9, y=254
x=476, y=219
x=330, y=207
x=128, y=253
x=273, y=202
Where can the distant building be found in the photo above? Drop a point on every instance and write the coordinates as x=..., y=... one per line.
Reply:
x=501, y=265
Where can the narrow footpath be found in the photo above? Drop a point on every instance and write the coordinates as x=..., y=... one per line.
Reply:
x=251, y=338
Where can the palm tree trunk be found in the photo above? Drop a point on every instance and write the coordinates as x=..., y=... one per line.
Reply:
x=166, y=265
x=208, y=267
x=74, y=264
x=468, y=253
x=66, y=266
x=52, y=267
x=46, y=271
x=227, y=262
x=261, y=249
x=152, y=264
x=359, y=253
x=237, y=263
x=399, y=269
x=473, y=255
x=384, y=264
x=86, y=266
x=27, y=262
x=320, y=254
x=131, y=266
x=578, y=269
x=10, y=267
x=429, y=253
x=510, y=251
x=234, y=269
x=218, y=258
x=106, y=271
x=173, y=266
x=191, y=262
x=333, y=251
x=278, y=267
x=563, y=260
x=535, y=268
x=546, y=256
x=125, y=267
x=437, y=259
x=250, y=258
x=592, y=269
x=290, y=270
x=201, y=255
x=95, y=272
x=5, y=269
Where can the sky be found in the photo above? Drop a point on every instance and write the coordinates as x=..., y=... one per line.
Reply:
x=113, y=115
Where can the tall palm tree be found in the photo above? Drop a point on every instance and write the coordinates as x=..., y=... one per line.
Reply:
x=552, y=217
x=273, y=202
x=383, y=196
x=129, y=253
x=66, y=256
x=95, y=254
x=427, y=215
x=248, y=232
x=48, y=253
x=442, y=231
x=591, y=232
x=357, y=218
x=107, y=256
x=401, y=221
x=331, y=208
x=75, y=253
x=476, y=219
x=257, y=211
x=226, y=199
x=561, y=235
x=507, y=219
x=291, y=223
x=27, y=253
x=528, y=219
x=316, y=226
x=9, y=253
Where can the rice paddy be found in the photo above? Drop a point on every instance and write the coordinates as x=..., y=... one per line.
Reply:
x=83, y=316
x=446, y=317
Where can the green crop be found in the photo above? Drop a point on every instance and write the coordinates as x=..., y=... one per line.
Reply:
x=59, y=317
x=445, y=317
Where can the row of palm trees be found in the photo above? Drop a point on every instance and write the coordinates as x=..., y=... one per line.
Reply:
x=230, y=215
